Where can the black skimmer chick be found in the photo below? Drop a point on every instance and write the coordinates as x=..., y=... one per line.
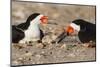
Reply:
x=29, y=31
x=86, y=31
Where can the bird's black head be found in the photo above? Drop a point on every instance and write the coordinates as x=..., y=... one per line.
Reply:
x=77, y=25
x=32, y=16
x=37, y=18
x=80, y=22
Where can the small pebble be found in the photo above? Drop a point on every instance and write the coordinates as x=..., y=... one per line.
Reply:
x=15, y=62
x=28, y=54
x=40, y=45
x=20, y=58
x=71, y=55
x=38, y=56
x=26, y=51
x=63, y=46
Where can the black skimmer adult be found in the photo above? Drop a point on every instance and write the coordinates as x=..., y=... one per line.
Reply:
x=86, y=30
x=29, y=31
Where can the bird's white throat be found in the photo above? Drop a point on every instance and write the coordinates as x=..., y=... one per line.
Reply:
x=33, y=29
x=76, y=27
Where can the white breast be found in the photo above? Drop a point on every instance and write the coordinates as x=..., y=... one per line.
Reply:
x=33, y=31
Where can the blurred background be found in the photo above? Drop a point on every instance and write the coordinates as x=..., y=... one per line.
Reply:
x=57, y=13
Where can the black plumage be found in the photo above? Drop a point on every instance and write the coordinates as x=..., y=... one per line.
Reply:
x=18, y=31
x=24, y=26
x=41, y=36
x=87, y=31
x=17, y=34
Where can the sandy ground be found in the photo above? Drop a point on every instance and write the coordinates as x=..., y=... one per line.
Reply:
x=69, y=50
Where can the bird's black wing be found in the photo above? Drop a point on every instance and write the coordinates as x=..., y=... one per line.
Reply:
x=41, y=34
x=17, y=34
x=23, y=26
x=89, y=34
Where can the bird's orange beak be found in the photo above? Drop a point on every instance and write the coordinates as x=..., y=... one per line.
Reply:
x=44, y=20
x=69, y=30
